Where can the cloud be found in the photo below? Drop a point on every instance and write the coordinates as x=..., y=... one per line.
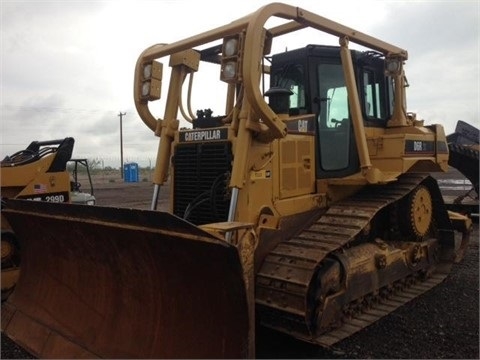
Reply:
x=67, y=67
x=442, y=39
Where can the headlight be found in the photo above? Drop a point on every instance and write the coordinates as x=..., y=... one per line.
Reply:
x=231, y=61
x=146, y=88
x=91, y=202
x=229, y=70
x=152, y=81
x=147, y=71
x=230, y=47
x=393, y=66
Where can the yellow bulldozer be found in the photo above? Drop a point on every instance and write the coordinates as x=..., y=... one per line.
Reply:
x=307, y=207
x=36, y=173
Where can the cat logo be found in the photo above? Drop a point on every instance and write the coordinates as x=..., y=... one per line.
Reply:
x=204, y=135
x=302, y=125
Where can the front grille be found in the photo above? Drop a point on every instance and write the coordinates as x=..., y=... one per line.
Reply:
x=201, y=175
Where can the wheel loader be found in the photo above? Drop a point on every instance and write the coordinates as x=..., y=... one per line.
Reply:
x=306, y=206
x=36, y=173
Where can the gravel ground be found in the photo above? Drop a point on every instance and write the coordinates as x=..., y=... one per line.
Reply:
x=440, y=324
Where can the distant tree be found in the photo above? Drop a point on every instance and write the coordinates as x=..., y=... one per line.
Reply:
x=94, y=165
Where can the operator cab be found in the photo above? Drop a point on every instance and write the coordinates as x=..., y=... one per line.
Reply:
x=314, y=76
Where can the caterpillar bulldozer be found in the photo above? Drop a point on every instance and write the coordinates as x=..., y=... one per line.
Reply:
x=307, y=207
x=36, y=173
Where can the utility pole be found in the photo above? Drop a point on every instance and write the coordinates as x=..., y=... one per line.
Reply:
x=120, y=114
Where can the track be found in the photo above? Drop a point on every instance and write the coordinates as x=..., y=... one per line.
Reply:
x=285, y=281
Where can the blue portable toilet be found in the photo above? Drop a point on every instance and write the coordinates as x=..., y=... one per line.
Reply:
x=130, y=172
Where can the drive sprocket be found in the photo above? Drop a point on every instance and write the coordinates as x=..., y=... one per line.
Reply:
x=416, y=213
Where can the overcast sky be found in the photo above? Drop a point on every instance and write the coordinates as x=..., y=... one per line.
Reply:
x=67, y=66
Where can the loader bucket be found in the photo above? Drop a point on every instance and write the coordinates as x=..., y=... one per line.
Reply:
x=123, y=283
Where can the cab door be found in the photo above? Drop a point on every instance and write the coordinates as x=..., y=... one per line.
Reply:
x=336, y=150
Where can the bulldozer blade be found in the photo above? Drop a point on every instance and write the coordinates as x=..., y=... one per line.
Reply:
x=123, y=283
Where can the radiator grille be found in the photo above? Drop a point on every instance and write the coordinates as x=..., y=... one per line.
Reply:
x=201, y=175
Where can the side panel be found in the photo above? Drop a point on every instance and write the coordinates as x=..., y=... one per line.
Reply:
x=297, y=158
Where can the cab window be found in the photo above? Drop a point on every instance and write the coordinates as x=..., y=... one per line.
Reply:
x=333, y=118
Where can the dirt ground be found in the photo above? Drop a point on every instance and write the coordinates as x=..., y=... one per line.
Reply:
x=440, y=324
x=130, y=195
